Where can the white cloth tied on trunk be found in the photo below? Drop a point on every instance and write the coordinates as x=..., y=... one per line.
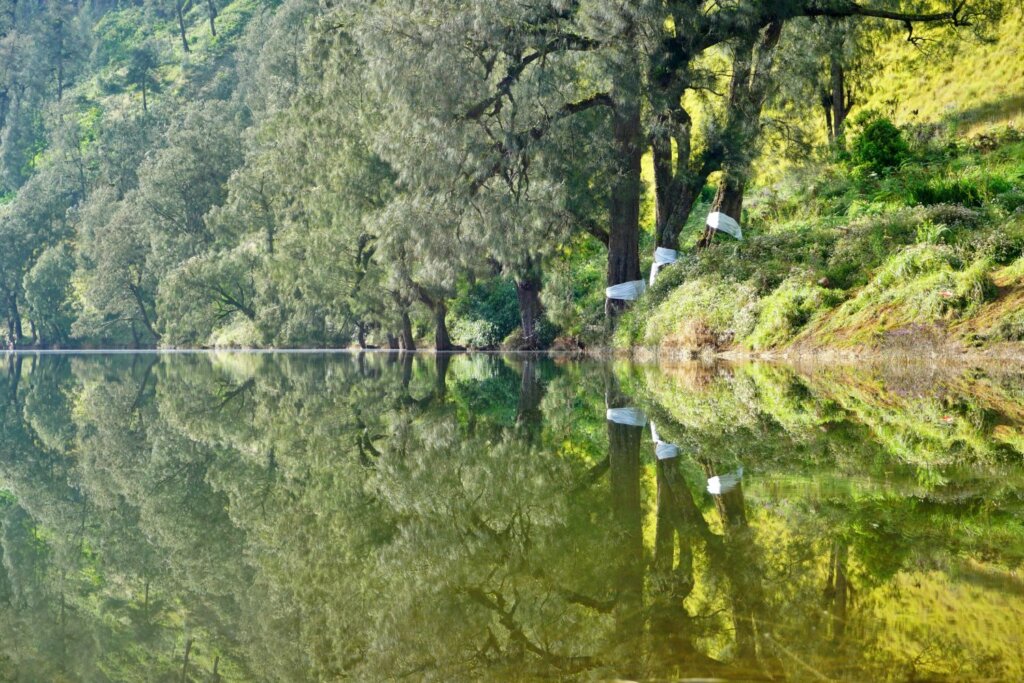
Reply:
x=666, y=451
x=727, y=224
x=662, y=258
x=725, y=482
x=662, y=450
x=633, y=417
x=626, y=291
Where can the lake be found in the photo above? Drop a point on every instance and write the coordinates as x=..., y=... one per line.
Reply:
x=294, y=517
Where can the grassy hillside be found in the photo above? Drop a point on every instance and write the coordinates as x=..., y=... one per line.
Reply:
x=973, y=86
x=923, y=252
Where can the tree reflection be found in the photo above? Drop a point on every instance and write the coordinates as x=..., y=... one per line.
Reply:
x=378, y=516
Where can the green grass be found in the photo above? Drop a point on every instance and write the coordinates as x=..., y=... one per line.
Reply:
x=969, y=88
x=841, y=255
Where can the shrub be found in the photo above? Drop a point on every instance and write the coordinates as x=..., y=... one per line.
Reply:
x=782, y=313
x=700, y=313
x=879, y=146
x=1012, y=201
x=960, y=191
x=484, y=313
x=475, y=333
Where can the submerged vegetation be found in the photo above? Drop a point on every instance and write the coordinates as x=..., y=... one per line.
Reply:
x=297, y=173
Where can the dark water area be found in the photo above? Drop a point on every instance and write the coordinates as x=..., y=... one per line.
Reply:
x=308, y=517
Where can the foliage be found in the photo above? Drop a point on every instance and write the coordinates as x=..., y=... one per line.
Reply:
x=485, y=313
x=783, y=313
x=879, y=145
x=48, y=292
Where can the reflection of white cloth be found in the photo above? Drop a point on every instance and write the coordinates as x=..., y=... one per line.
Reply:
x=634, y=417
x=727, y=224
x=662, y=258
x=662, y=450
x=626, y=291
x=724, y=483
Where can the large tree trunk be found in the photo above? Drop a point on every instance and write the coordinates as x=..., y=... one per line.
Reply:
x=406, y=339
x=531, y=311
x=624, y=205
x=442, y=342
x=676, y=186
x=728, y=200
x=747, y=91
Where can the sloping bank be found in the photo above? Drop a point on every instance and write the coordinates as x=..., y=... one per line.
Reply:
x=923, y=300
x=923, y=254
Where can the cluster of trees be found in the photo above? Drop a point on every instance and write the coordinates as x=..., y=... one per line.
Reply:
x=326, y=173
x=201, y=518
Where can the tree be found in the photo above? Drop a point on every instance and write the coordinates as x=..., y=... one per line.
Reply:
x=48, y=294
x=533, y=56
x=142, y=64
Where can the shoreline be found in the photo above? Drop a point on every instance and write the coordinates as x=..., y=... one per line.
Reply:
x=1008, y=353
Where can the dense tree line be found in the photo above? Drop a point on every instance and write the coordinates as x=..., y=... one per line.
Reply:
x=303, y=174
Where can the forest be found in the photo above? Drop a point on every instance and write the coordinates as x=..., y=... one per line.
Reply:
x=571, y=173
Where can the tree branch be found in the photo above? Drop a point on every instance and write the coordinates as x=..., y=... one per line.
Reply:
x=563, y=43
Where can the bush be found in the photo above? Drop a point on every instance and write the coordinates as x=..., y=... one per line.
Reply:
x=484, y=313
x=880, y=146
x=699, y=314
x=960, y=191
x=475, y=333
x=782, y=313
x=1012, y=201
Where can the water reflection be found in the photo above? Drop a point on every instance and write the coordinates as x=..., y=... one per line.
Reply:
x=301, y=517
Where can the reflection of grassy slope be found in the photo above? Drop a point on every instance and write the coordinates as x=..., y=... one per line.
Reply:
x=930, y=627
x=938, y=423
x=906, y=530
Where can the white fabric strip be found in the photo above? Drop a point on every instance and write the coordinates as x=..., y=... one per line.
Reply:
x=633, y=417
x=662, y=450
x=662, y=258
x=626, y=291
x=666, y=451
x=724, y=483
x=719, y=221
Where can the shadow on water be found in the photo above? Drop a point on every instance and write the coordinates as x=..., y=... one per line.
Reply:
x=239, y=517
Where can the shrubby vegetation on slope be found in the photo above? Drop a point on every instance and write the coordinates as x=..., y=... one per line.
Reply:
x=895, y=245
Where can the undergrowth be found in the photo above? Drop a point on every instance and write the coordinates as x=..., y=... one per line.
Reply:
x=891, y=239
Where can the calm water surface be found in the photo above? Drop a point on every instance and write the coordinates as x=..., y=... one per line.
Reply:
x=240, y=517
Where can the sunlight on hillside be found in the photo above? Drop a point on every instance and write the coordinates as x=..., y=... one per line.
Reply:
x=975, y=86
